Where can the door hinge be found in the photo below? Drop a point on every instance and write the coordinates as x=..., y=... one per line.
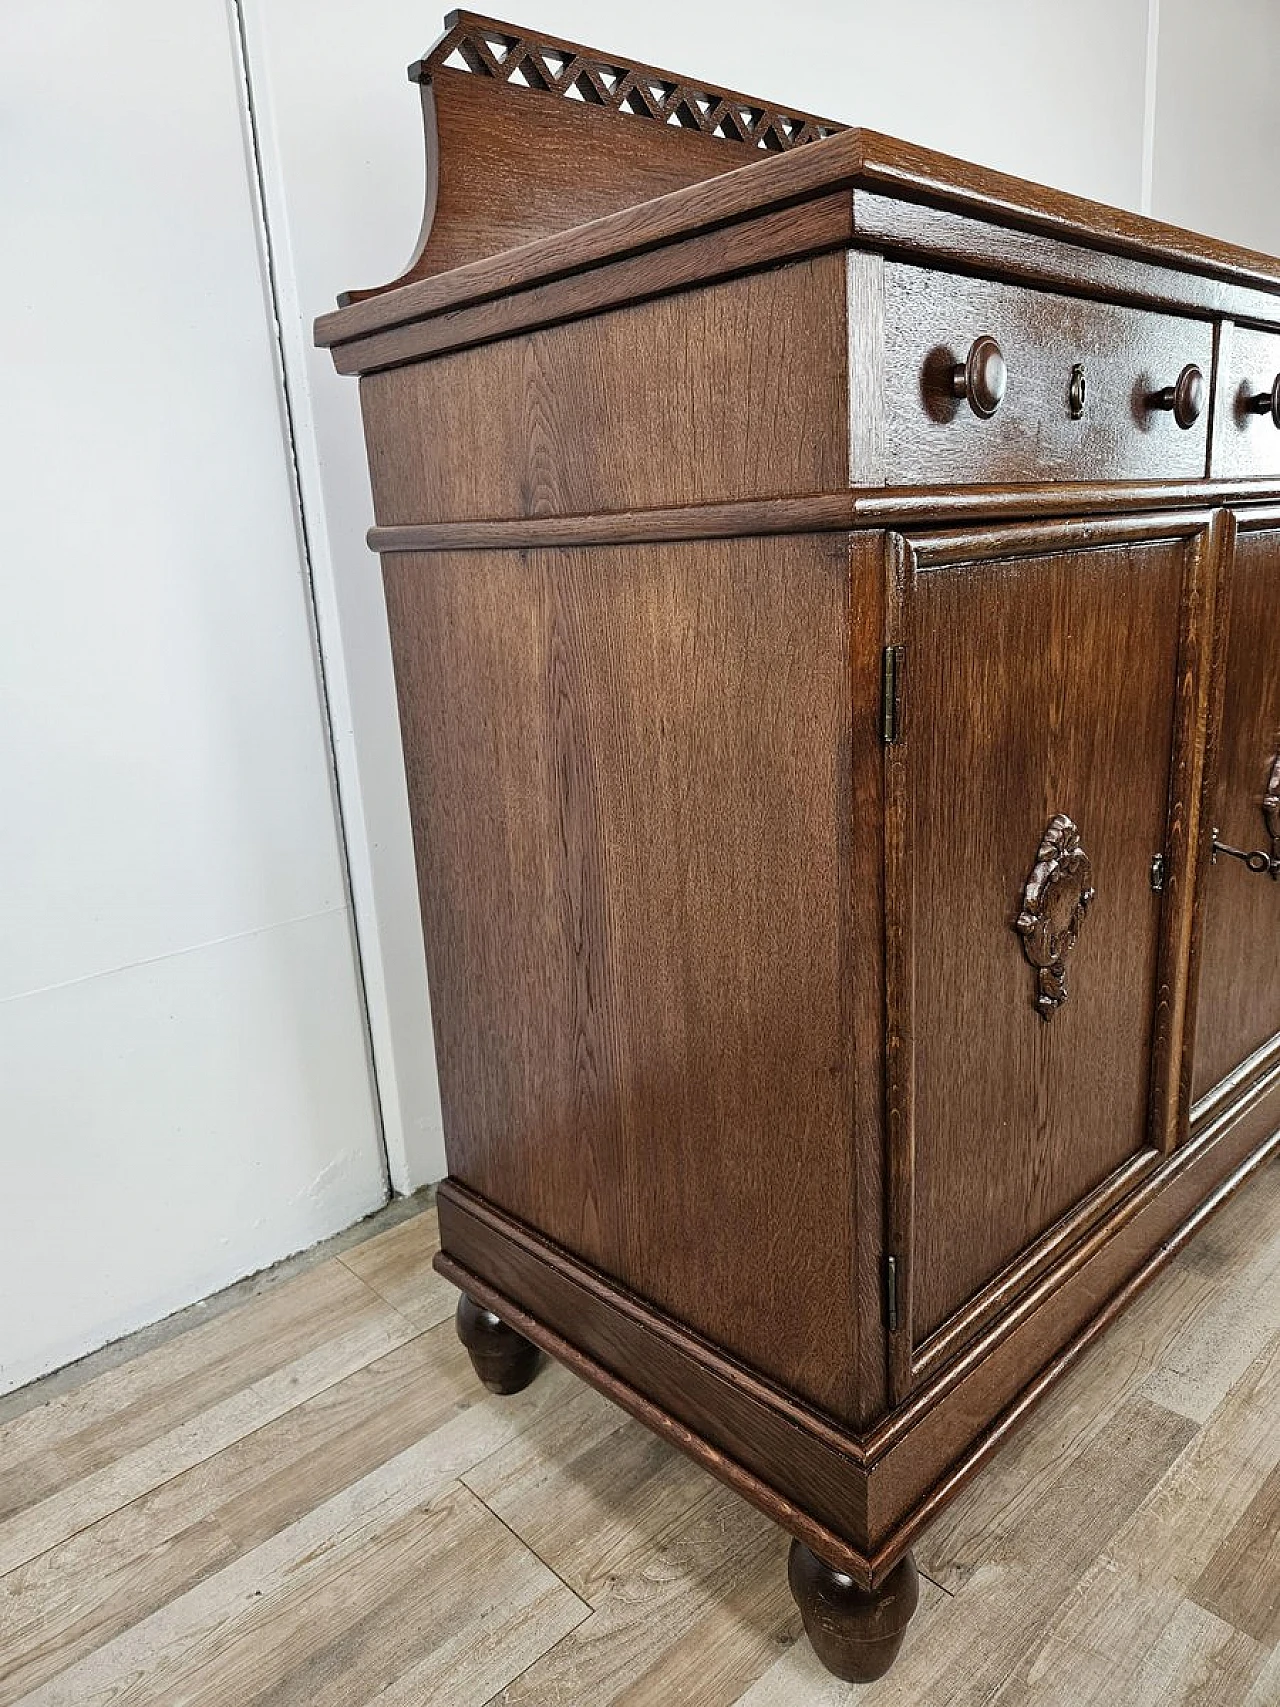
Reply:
x=893, y=667
x=1157, y=873
x=891, y=1293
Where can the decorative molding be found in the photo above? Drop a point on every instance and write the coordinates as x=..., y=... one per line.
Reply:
x=1057, y=896
x=506, y=53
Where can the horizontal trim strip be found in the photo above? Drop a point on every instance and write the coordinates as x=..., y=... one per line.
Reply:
x=831, y=512
x=868, y=1566
x=853, y=159
x=793, y=234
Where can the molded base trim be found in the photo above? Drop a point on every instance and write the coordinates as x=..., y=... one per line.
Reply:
x=858, y=1502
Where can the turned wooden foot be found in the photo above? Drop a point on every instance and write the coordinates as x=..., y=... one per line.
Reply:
x=503, y=1359
x=855, y=1632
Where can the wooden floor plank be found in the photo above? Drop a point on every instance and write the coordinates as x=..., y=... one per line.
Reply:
x=1241, y=1582
x=1143, y=1644
x=1033, y=1554
x=89, y=1482
x=587, y=1489
x=648, y=1603
x=443, y=1579
x=397, y=1265
x=311, y=1499
x=129, y=1405
x=346, y=1523
x=1236, y=1319
x=82, y=1593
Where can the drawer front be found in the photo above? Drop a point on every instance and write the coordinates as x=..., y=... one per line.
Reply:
x=1038, y=431
x=1246, y=428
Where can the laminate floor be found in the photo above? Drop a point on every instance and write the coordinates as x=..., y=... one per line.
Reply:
x=305, y=1497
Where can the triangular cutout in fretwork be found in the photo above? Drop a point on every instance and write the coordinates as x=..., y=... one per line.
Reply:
x=542, y=65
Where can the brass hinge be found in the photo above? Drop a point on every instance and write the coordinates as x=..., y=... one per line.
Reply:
x=1157, y=873
x=893, y=667
x=891, y=1293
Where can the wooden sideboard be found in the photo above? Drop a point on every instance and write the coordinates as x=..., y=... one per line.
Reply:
x=835, y=600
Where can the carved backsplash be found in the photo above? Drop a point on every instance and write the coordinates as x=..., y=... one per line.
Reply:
x=523, y=58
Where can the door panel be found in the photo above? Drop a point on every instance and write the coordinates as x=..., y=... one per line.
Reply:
x=1238, y=1009
x=1040, y=749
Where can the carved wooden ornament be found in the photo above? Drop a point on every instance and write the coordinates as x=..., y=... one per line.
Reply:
x=1271, y=805
x=1054, y=904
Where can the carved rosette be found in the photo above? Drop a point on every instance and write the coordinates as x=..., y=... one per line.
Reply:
x=1054, y=903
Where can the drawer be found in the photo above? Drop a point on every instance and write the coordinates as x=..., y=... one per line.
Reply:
x=1246, y=426
x=1129, y=361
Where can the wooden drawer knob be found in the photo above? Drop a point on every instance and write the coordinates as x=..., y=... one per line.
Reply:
x=1266, y=403
x=1185, y=397
x=982, y=377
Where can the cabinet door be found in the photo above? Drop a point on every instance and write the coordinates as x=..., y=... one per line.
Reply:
x=1238, y=1009
x=1052, y=689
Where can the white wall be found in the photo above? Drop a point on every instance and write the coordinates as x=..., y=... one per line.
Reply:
x=1217, y=119
x=183, y=1069
x=1088, y=97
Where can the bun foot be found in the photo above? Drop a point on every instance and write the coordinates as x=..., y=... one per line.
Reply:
x=503, y=1359
x=856, y=1633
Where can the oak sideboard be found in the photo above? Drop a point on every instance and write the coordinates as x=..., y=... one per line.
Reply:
x=834, y=593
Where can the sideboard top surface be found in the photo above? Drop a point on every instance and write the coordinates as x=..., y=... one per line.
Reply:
x=506, y=157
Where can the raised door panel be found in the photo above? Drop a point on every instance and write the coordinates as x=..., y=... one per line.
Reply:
x=1042, y=764
x=1238, y=1010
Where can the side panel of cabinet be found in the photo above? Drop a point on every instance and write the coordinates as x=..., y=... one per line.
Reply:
x=630, y=780
x=1048, y=751
x=1238, y=1008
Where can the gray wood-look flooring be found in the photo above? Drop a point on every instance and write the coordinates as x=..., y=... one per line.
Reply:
x=304, y=1496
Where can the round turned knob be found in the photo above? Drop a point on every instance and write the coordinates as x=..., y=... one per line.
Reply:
x=1185, y=397
x=982, y=377
x=1266, y=403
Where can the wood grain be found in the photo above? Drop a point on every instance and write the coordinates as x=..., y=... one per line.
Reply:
x=787, y=235
x=854, y=159
x=1239, y=1004
x=932, y=318
x=837, y=512
x=1245, y=442
x=643, y=408
x=638, y=929
x=816, y=920
x=1065, y=708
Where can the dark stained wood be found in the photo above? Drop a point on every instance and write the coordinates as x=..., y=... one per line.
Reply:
x=860, y=1500
x=1184, y=869
x=1239, y=1004
x=925, y=1452
x=527, y=134
x=629, y=779
x=855, y=1632
x=647, y=407
x=502, y=1358
x=852, y=159
x=1062, y=708
x=835, y=511
x=814, y=746
x=1246, y=438
x=964, y=242
x=932, y=319
x=790, y=234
